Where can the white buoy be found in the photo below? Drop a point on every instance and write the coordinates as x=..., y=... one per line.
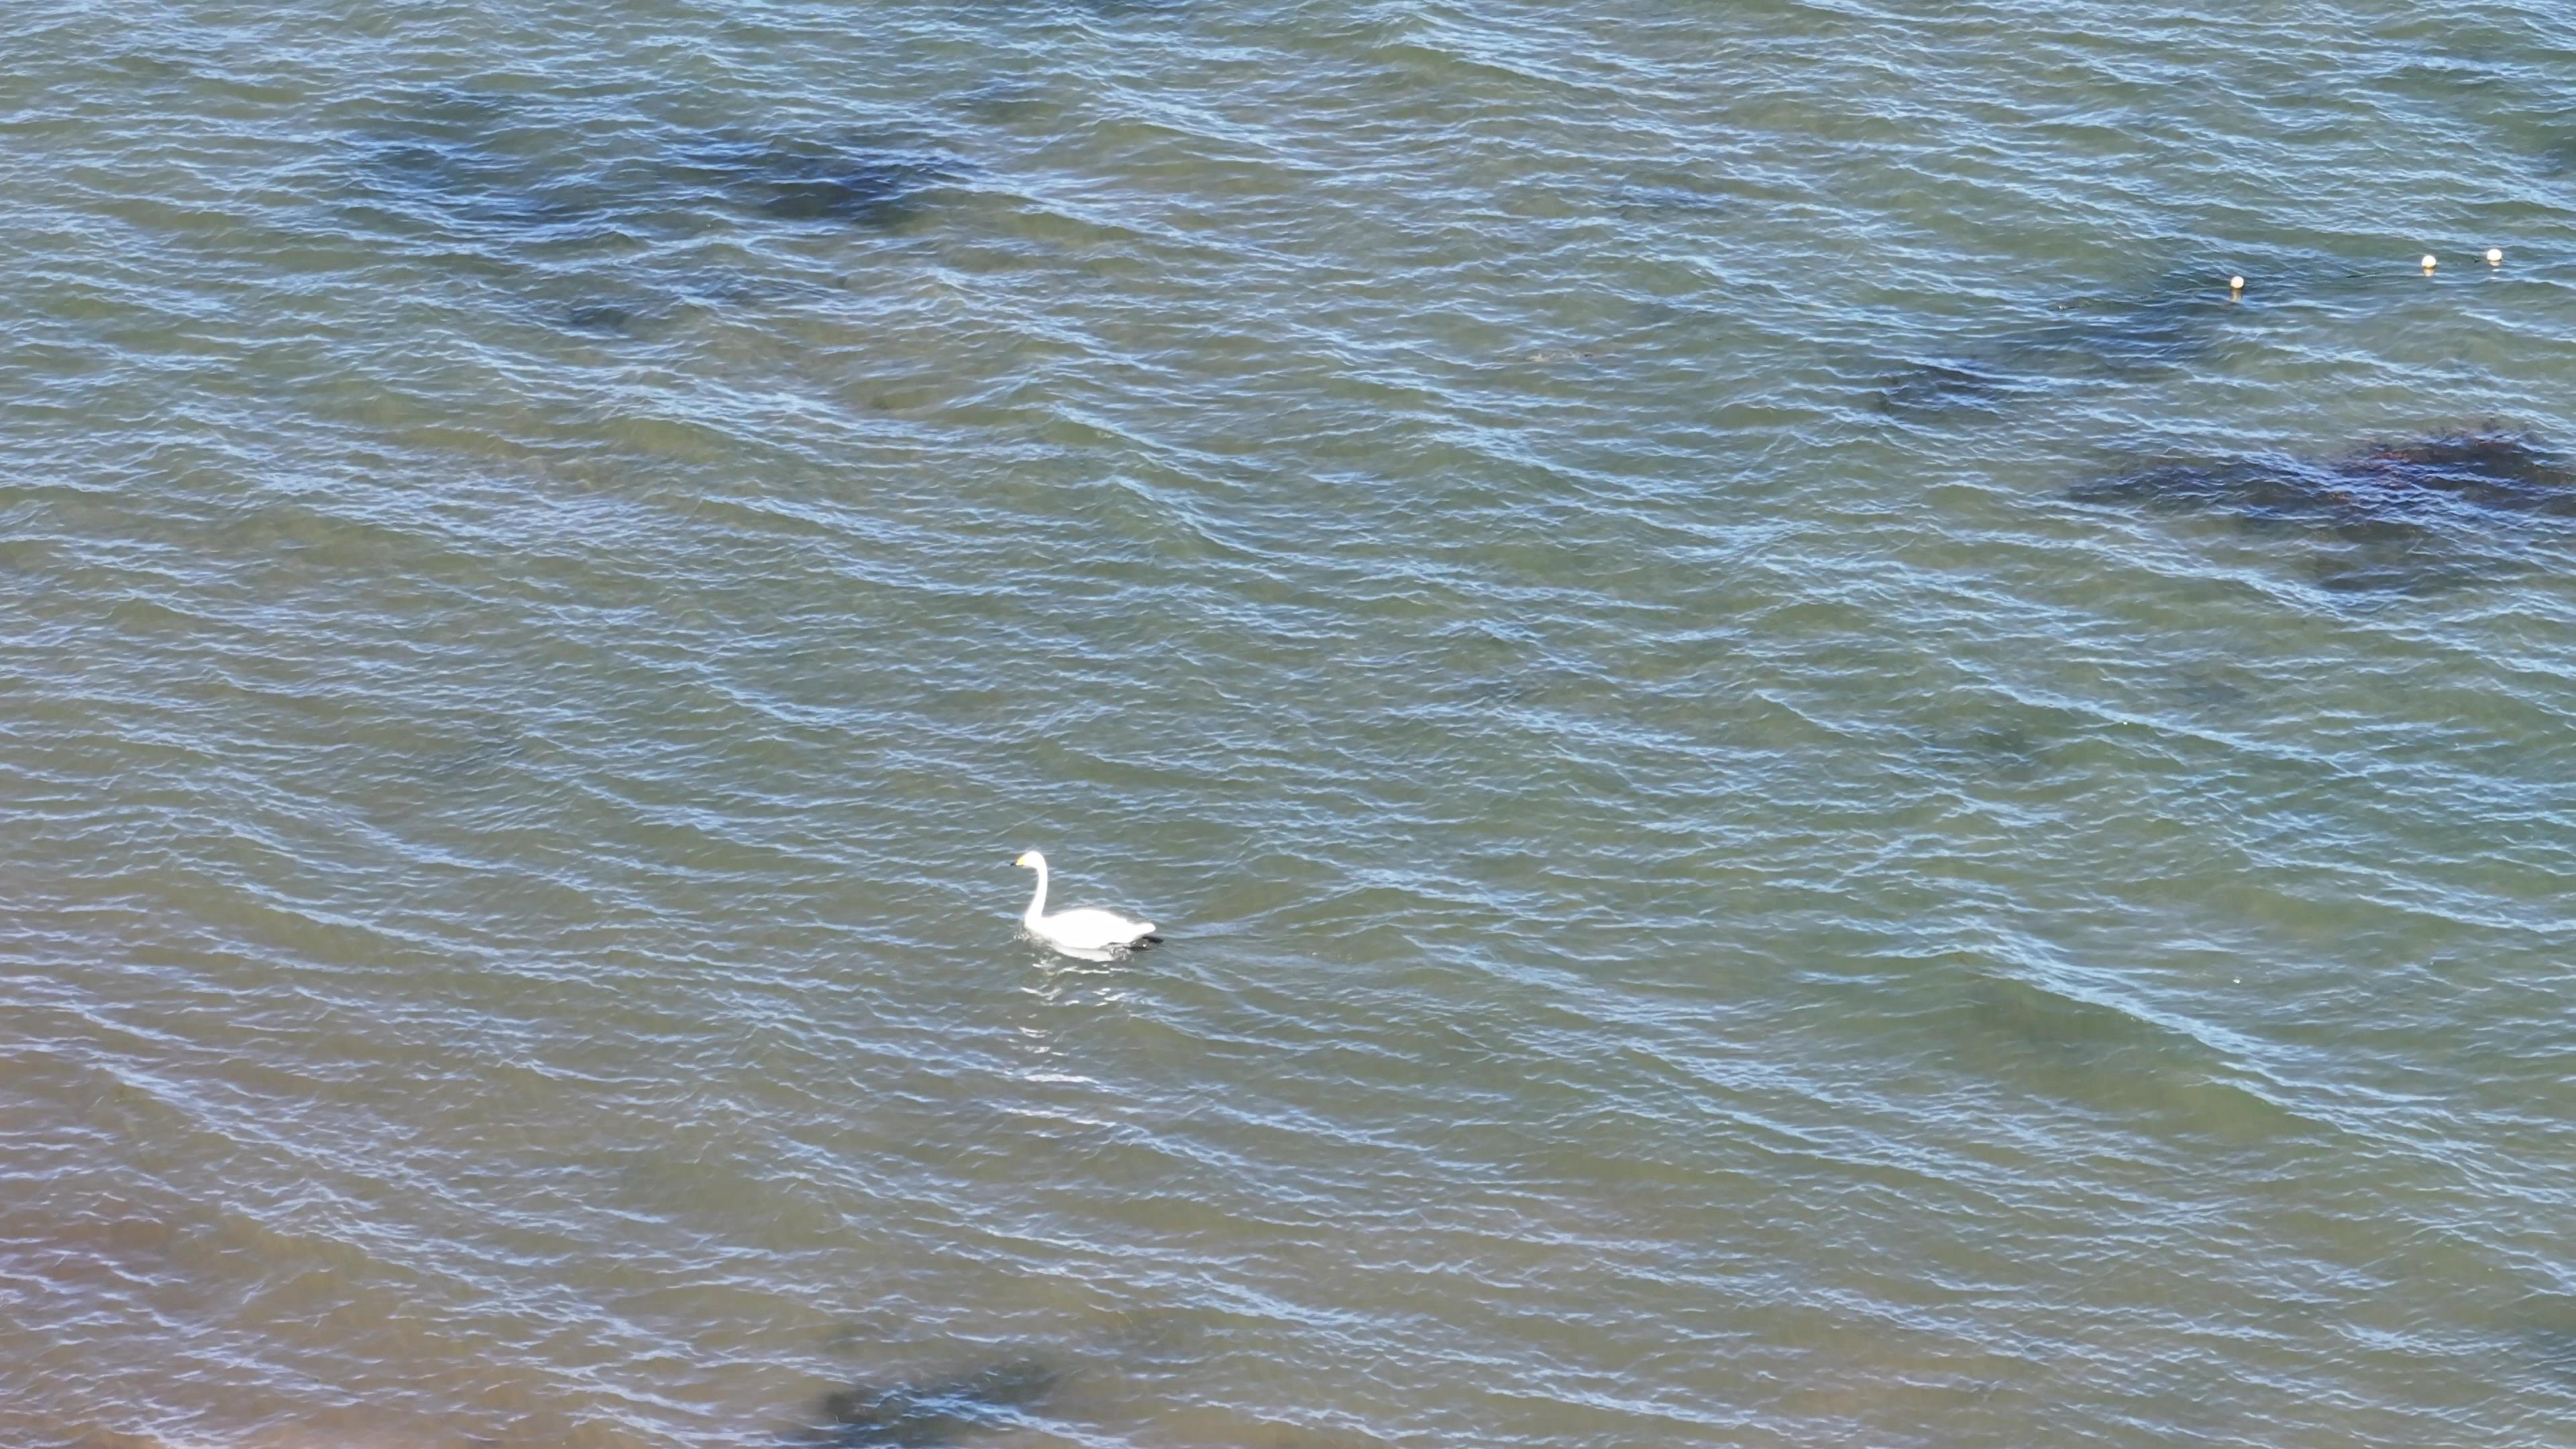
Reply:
x=2236, y=284
x=2429, y=262
x=2495, y=256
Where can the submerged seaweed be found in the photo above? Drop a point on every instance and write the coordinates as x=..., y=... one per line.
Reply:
x=462, y=185
x=2385, y=486
x=797, y=179
x=603, y=318
x=570, y=210
x=2181, y=319
x=2392, y=505
x=2116, y=336
x=1946, y=386
x=937, y=1412
x=474, y=164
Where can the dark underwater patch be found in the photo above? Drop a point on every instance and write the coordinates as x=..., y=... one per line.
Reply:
x=1669, y=198
x=2391, y=515
x=487, y=168
x=2051, y=1024
x=488, y=746
x=2402, y=486
x=794, y=179
x=606, y=319
x=928, y=1414
x=2117, y=1060
x=2181, y=320
x=2007, y=751
x=567, y=210
x=1928, y=387
x=460, y=185
x=2101, y=337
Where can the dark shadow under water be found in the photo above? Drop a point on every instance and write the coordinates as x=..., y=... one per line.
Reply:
x=810, y=179
x=2181, y=319
x=2392, y=514
x=487, y=167
x=930, y=1413
x=2047, y=1041
x=2113, y=336
x=562, y=209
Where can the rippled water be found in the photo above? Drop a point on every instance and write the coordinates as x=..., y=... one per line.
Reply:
x=1772, y=834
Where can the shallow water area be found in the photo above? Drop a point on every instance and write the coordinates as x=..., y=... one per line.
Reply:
x=1804, y=790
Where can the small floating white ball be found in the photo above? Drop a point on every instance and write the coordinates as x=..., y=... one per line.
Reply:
x=2236, y=284
x=2495, y=256
x=2428, y=261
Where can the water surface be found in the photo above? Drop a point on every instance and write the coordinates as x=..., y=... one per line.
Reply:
x=1727, y=884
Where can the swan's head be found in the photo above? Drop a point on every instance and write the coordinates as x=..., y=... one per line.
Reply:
x=1030, y=860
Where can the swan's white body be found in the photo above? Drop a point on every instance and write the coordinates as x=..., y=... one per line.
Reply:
x=1085, y=931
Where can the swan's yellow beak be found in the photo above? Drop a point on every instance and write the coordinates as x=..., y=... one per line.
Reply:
x=1023, y=861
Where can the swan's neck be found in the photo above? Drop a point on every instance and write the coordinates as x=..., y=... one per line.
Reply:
x=1037, y=902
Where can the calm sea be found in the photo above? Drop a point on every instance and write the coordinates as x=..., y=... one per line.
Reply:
x=1806, y=792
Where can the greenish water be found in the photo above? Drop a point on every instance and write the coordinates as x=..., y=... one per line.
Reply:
x=1806, y=793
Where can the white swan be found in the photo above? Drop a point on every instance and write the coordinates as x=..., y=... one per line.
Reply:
x=1085, y=931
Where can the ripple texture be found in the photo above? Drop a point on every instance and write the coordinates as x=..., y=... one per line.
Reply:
x=1735, y=875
